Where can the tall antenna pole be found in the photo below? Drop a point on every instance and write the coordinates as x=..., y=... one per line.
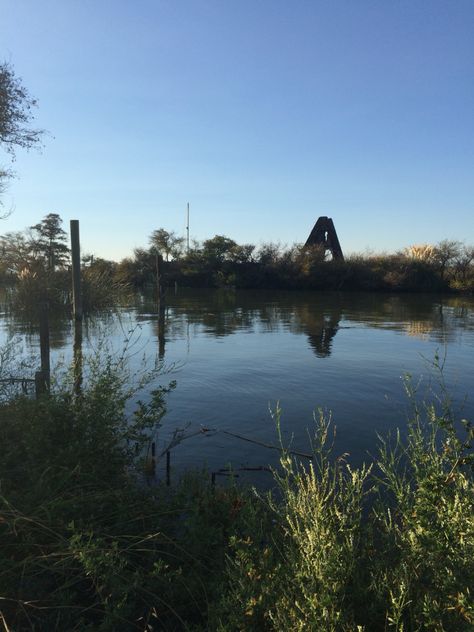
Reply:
x=187, y=230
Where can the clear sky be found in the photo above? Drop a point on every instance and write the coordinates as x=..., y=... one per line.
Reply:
x=263, y=114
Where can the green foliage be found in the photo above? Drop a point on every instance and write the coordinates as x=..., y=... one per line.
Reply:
x=167, y=244
x=50, y=242
x=101, y=289
x=427, y=525
x=16, y=105
x=16, y=116
x=35, y=265
x=334, y=558
x=221, y=262
x=85, y=544
x=70, y=512
x=301, y=572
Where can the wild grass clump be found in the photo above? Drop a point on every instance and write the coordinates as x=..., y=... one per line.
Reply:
x=385, y=547
x=33, y=290
x=101, y=291
x=300, y=570
x=423, y=522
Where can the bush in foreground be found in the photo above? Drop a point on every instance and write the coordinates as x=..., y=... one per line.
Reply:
x=83, y=543
x=389, y=547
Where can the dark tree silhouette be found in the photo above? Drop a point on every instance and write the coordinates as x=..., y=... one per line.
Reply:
x=166, y=243
x=49, y=241
x=16, y=115
x=16, y=105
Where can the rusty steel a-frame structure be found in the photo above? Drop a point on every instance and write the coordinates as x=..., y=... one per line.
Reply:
x=324, y=234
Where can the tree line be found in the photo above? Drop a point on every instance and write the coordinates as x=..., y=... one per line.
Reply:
x=42, y=251
x=222, y=262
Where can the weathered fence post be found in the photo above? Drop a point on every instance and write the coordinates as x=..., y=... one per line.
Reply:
x=42, y=377
x=76, y=269
x=77, y=352
x=160, y=291
x=161, y=333
x=40, y=384
x=77, y=304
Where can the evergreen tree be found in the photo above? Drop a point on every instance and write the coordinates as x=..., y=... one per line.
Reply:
x=50, y=241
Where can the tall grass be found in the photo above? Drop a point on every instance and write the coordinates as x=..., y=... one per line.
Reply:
x=384, y=547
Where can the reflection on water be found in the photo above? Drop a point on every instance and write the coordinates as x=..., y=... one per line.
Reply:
x=317, y=315
x=239, y=351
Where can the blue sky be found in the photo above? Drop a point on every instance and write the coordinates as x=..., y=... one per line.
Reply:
x=262, y=114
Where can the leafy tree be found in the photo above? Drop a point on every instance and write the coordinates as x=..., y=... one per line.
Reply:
x=50, y=241
x=218, y=249
x=464, y=261
x=445, y=254
x=168, y=244
x=16, y=105
x=243, y=253
x=18, y=253
x=269, y=253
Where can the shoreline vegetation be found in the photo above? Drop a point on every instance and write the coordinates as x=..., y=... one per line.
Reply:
x=221, y=262
x=36, y=264
x=87, y=545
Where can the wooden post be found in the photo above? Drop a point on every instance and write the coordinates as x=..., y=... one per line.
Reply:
x=159, y=289
x=76, y=269
x=161, y=332
x=44, y=348
x=40, y=384
x=77, y=352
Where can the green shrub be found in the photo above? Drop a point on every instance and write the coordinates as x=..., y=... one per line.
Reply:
x=384, y=548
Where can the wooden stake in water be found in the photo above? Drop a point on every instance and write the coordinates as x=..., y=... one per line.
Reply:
x=76, y=269
x=77, y=352
x=40, y=384
x=161, y=332
x=42, y=378
x=158, y=277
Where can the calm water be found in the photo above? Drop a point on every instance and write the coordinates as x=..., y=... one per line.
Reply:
x=237, y=353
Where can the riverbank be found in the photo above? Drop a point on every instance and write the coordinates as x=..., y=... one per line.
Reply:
x=85, y=544
x=221, y=262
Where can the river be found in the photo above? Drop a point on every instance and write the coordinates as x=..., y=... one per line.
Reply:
x=235, y=354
